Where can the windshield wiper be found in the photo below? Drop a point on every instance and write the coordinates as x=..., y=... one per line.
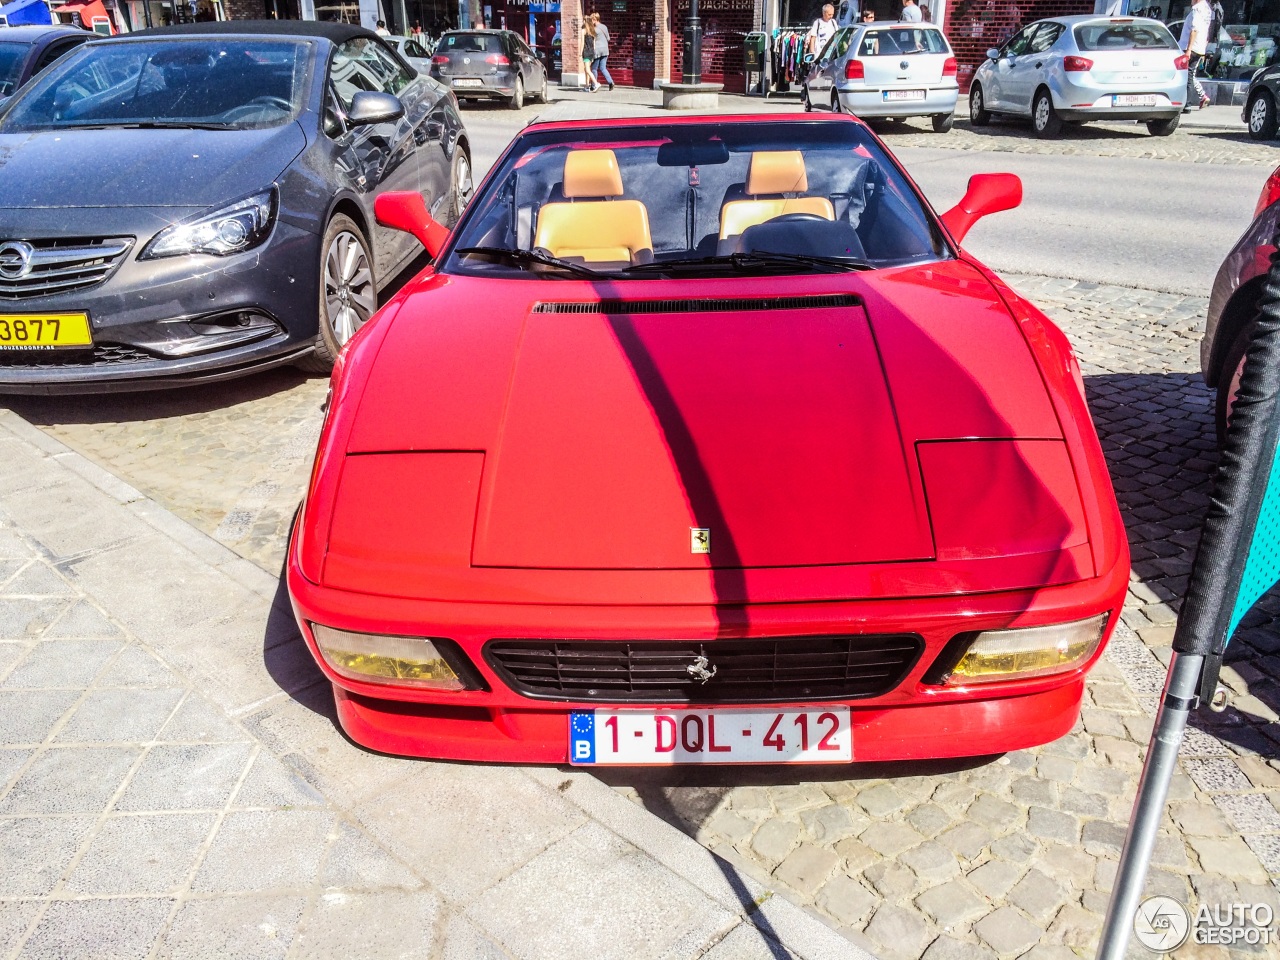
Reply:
x=140, y=125
x=533, y=256
x=754, y=260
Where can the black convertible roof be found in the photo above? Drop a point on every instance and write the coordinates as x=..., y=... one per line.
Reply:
x=335, y=32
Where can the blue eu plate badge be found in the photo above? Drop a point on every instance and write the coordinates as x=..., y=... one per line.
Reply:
x=582, y=737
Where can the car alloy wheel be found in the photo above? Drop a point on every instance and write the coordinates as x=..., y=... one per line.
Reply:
x=348, y=295
x=517, y=98
x=1262, y=116
x=978, y=115
x=462, y=186
x=1043, y=118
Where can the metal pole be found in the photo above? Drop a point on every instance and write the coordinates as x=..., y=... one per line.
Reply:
x=1148, y=806
x=693, y=45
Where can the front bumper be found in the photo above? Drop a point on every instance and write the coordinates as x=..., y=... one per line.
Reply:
x=914, y=720
x=870, y=102
x=179, y=320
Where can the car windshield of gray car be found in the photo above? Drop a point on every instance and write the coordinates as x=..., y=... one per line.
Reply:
x=204, y=82
x=11, y=57
x=693, y=199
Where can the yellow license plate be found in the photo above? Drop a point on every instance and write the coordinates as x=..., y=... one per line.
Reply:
x=33, y=331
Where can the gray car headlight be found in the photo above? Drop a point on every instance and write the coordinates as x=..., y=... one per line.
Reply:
x=239, y=226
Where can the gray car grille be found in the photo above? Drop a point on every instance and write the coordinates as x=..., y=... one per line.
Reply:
x=40, y=268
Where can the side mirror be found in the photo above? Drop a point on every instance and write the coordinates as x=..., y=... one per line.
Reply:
x=810, y=57
x=406, y=210
x=988, y=193
x=993, y=54
x=370, y=106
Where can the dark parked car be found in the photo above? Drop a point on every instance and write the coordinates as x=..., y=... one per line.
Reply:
x=196, y=202
x=1260, y=110
x=25, y=51
x=489, y=64
x=1233, y=302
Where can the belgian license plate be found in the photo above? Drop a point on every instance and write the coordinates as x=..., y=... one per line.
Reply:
x=35, y=331
x=1132, y=100
x=663, y=737
x=468, y=82
x=904, y=95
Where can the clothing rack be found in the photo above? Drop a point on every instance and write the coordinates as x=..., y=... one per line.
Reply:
x=786, y=56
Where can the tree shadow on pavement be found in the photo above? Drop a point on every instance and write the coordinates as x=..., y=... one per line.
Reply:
x=1157, y=432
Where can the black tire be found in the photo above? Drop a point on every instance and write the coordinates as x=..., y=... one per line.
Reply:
x=348, y=293
x=461, y=184
x=1228, y=381
x=979, y=116
x=835, y=102
x=804, y=99
x=517, y=97
x=1044, y=119
x=1163, y=128
x=1261, y=114
x=943, y=122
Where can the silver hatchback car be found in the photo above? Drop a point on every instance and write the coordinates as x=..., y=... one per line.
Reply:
x=883, y=70
x=1076, y=69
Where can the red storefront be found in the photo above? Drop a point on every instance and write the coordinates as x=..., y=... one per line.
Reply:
x=724, y=25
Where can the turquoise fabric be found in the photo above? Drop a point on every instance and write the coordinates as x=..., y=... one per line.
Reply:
x=1262, y=569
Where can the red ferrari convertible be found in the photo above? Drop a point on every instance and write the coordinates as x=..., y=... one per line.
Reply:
x=706, y=442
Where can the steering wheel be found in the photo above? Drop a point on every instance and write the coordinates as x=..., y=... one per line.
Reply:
x=798, y=218
x=255, y=106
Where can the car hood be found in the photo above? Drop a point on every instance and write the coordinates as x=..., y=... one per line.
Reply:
x=142, y=168
x=607, y=429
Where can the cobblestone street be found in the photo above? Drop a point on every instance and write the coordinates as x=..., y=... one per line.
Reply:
x=975, y=858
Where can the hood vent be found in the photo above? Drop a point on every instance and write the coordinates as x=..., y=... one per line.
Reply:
x=827, y=301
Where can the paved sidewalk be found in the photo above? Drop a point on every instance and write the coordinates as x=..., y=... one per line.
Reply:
x=172, y=783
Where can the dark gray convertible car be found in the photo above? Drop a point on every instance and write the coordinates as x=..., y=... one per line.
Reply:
x=192, y=203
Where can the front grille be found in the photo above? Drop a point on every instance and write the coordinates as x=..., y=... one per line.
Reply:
x=716, y=305
x=746, y=671
x=103, y=353
x=58, y=266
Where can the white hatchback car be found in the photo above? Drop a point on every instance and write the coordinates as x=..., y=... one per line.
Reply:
x=1076, y=69
x=881, y=70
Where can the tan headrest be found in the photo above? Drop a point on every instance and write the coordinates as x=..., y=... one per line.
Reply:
x=777, y=171
x=592, y=173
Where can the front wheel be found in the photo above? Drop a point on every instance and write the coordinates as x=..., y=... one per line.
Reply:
x=461, y=184
x=943, y=122
x=1044, y=119
x=1163, y=128
x=1262, y=116
x=348, y=295
x=978, y=114
x=517, y=97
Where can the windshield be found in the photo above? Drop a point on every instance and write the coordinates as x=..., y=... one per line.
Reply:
x=11, y=57
x=1108, y=35
x=902, y=41
x=632, y=201
x=198, y=82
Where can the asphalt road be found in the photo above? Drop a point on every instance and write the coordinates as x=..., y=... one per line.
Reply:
x=1154, y=224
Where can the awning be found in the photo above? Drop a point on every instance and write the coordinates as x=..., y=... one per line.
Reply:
x=22, y=12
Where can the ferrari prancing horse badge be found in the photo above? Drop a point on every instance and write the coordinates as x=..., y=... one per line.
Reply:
x=699, y=540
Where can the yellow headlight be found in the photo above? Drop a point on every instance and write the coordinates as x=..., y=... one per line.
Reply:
x=403, y=661
x=1028, y=651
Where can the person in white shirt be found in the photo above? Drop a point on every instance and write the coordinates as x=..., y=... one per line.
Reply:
x=381, y=30
x=821, y=31
x=910, y=12
x=1195, y=41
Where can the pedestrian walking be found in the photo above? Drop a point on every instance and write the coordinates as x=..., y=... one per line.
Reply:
x=925, y=15
x=589, y=54
x=381, y=30
x=1195, y=41
x=822, y=30
x=910, y=12
x=599, y=66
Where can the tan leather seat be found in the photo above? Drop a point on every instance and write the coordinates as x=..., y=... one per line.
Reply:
x=590, y=228
x=772, y=172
